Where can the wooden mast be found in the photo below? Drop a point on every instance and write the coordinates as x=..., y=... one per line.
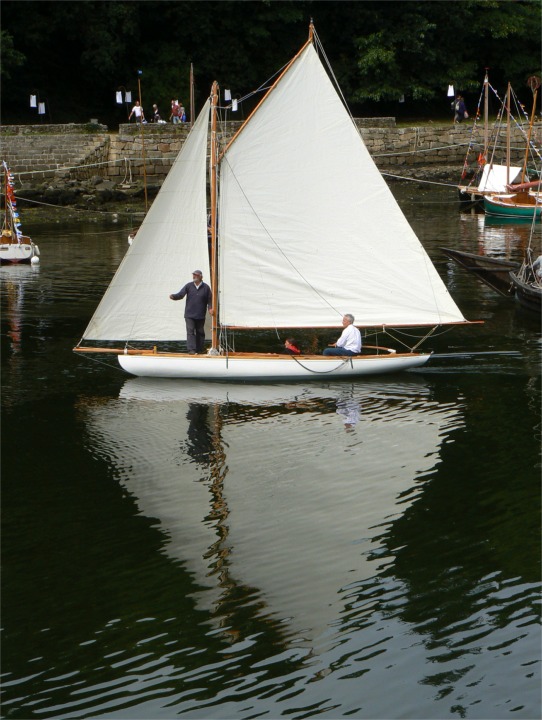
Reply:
x=486, y=115
x=508, y=135
x=143, y=143
x=5, y=226
x=192, y=109
x=524, y=169
x=213, y=188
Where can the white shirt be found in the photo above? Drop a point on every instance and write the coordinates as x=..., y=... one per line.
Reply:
x=350, y=339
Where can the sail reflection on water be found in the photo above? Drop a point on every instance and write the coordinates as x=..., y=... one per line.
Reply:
x=260, y=487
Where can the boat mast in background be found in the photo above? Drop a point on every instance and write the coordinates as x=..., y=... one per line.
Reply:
x=486, y=115
x=192, y=102
x=508, y=135
x=139, y=73
x=534, y=83
x=214, y=189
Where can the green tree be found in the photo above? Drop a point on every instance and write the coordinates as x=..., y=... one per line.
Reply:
x=10, y=58
x=78, y=53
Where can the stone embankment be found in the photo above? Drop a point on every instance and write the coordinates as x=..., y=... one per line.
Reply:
x=87, y=166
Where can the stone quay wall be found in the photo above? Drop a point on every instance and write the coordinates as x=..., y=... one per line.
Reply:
x=36, y=153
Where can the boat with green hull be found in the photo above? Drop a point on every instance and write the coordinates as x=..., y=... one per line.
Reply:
x=521, y=206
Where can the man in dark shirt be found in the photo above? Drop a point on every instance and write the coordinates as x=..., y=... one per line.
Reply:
x=198, y=300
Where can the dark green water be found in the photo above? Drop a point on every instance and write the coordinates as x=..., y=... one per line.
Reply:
x=367, y=549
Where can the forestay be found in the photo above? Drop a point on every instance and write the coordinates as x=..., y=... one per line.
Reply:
x=170, y=244
x=308, y=228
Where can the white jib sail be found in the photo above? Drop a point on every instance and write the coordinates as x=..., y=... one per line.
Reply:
x=170, y=244
x=309, y=229
x=494, y=178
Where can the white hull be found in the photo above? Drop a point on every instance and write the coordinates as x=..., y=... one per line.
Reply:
x=262, y=367
x=15, y=253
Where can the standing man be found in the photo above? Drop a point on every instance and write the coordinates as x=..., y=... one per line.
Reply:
x=137, y=110
x=198, y=301
x=460, y=110
x=350, y=341
x=174, y=117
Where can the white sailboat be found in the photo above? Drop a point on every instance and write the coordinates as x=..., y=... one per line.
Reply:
x=304, y=229
x=15, y=248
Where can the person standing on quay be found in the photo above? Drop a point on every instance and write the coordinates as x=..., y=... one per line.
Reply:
x=460, y=110
x=198, y=301
x=174, y=117
x=137, y=110
x=155, y=114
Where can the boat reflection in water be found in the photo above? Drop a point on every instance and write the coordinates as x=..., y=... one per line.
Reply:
x=16, y=279
x=506, y=260
x=259, y=489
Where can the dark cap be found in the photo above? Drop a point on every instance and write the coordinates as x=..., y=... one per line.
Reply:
x=197, y=272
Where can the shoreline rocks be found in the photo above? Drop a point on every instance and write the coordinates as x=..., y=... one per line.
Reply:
x=101, y=193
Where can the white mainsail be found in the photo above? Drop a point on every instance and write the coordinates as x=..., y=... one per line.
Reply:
x=308, y=228
x=170, y=244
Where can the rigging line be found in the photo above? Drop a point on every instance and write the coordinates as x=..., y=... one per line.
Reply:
x=91, y=358
x=423, y=339
x=80, y=210
x=263, y=88
x=477, y=116
x=518, y=125
x=86, y=166
x=386, y=332
x=323, y=372
x=412, y=335
x=417, y=180
x=281, y=251
x=421, y=150
x=320, y=47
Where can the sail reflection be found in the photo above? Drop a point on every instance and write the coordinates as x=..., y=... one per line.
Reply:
x=260, y=488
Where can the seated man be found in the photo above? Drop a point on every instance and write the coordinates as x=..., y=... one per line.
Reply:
x=350, y=341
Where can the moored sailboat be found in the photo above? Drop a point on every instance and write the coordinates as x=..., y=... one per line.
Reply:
x=494, y=272
x=15, y=247
x=520, y=206
x=491, y=173
x=520, y=200
x=303, y=230
x=527, y=280
x=494, y=181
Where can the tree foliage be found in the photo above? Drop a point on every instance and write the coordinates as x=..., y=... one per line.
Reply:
x=76, y=54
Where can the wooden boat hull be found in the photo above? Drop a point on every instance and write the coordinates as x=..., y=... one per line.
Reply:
x=257, y=366
x=494, y=272
x=469, y=197
x=504, y=206
x=528, y=294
